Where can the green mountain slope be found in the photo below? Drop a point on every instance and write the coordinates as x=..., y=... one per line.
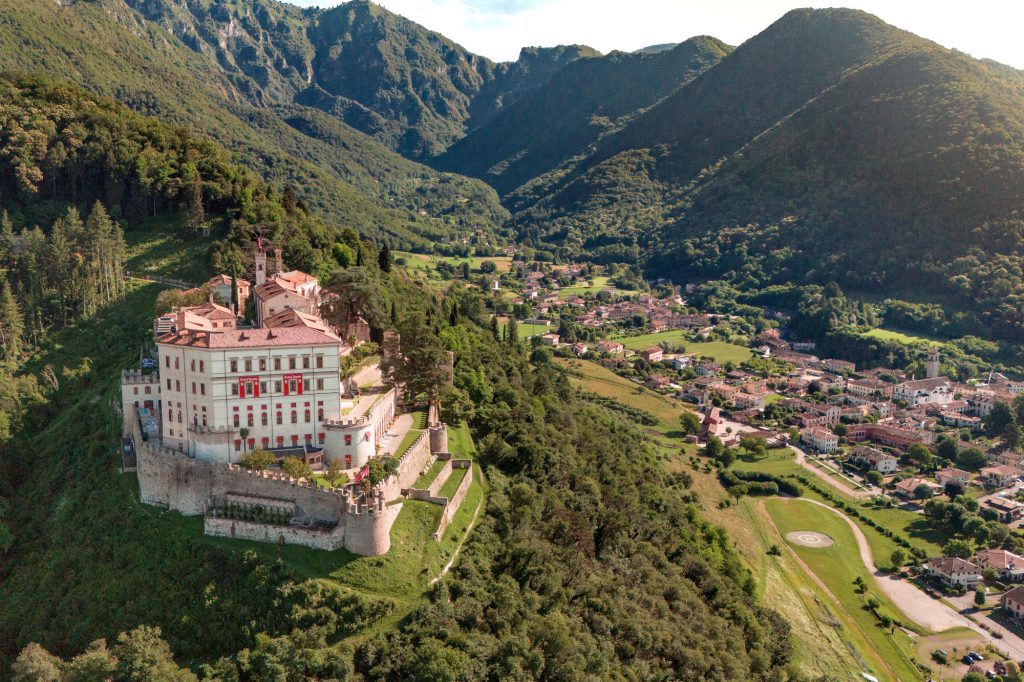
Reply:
x=584, y=101
x=351, y=178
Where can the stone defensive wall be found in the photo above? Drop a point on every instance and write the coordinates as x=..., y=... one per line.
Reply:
x=173, y=480
x=409, y=467
x=452, y=506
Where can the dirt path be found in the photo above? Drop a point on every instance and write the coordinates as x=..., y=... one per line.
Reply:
x=917, y=605
x=925, y=611
x=801, y=459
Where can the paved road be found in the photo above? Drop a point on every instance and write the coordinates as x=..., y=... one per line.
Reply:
x=801, y=459
x=917, y=605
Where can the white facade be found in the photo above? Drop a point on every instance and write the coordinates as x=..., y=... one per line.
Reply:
x=279, y=384
x=936, y=391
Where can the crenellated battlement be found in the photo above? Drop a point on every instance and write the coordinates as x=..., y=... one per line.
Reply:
x=135, y=376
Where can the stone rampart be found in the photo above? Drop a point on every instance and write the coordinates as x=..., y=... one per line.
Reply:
x=450, y=509
x=409, y=468
x=264, y=532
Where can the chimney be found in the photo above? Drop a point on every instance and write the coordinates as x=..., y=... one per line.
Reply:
x=278, y=265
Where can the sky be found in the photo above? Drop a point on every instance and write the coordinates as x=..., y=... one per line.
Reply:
x=497, y=29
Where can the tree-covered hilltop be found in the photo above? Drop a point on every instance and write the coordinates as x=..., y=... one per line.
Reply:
x=584, y=101
x=589, y=558
x=349, y=177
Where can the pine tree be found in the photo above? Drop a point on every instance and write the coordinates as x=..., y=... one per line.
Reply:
x=394, y=312
x=384, y=258
x=512, y=333
x=495, y=329
x=12, y=323
x=6, y=240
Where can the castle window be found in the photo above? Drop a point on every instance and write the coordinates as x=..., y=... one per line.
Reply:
x=309, y=437
x=348, y=461
x=136, y=390
x=321, y=438
x=305, y=384
x=202, y=389
x=251, y=421
x=277, y=364
x=180, y=420
x=319, y=384
x=238, y=444
x=295, y=439
x=265, y=442
x=170, y=415
x=193, y=365
x=291, y=363
x=293, y=385
x=320, y=415
x=306, y=416
x=193, y=388
x=175, y=363
x=280, y=419
x=167, y=361
x=277, y=386
x=295, y=417
x=263, y=364
x=168, y=384
x=263, y=387
x=280, y=441
x=234, y=388
x=305, y=362
x=234, y=365
x=348, y=439
x=146, y=391
x=204, y=420
x=248, y=365
x=234, y=420
x=263, y=419
x=177, y=385
x=202, y=365
x=319, y=362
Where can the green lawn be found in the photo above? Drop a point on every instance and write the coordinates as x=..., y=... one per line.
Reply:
x=914, y=527
x=901, y=337
x=837, y=566
x=597, y=284
x=426, y=479
x=452, y=484
x=528, y=330
x=420, y=261
x=673, y=337
x=721, y=351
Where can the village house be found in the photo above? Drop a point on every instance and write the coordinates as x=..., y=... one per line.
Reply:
x=888, y=433
x=579, y=348
x=707, y=367
x=907, y=488
x=820, y=440
x=220, y=287
x=657, y=381
x=749, y=401
x=1000, y=476
x=713, y=424
x=681, y=362
x=954, y=571
x=869, y=388
x=1013, y=601
x=877, y=460
x=550, y=339
x=959, y=420
x=1005, y=509
x=611, y=347
x=1010, y=566
x=652, y=354
x=951, y=475
x=838, y=366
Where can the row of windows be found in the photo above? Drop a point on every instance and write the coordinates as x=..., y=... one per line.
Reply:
x=292, y=386
x=308, y=438
x=279, y=418
x=247, y=364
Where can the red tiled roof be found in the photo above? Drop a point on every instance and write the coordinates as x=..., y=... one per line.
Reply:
x=249, y=338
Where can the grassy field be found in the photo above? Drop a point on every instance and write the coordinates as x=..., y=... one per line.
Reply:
x=719, y=350
x=528, y=330
x=420, y=261
x=912, y=526
x=156, y=250
x=596, y=379
x=596, y=284
x=886, y=653
x=901, y=337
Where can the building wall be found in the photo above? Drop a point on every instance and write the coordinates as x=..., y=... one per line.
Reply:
x=200, y=390
x=264, y=532
x=453, y=505
x=354, y=441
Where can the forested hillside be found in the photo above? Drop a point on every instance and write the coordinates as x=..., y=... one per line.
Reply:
x=586, y=100
x=348, y=177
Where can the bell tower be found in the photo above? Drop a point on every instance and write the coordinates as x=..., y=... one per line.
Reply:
x=261, y=264
x=932, y=370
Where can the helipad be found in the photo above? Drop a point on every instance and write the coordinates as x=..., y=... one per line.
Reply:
x=809, y=538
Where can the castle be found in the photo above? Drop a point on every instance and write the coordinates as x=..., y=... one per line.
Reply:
x=223, y=390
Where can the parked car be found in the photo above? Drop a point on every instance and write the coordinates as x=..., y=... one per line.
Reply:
x=975, y=656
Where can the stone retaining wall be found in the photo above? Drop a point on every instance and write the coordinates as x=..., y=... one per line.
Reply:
x=264, y=532
x=450, y=509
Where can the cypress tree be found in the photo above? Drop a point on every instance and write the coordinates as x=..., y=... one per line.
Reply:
x=384, y=258
x=495, y=330
x=6, y=240
x=196, y=214
x=512, y=333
